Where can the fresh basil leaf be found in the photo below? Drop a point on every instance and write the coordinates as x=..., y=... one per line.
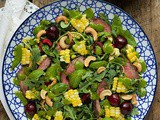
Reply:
x=104, y=17
x=36, y=56
x=17, y=56
x=97, y=27
x=89, y=13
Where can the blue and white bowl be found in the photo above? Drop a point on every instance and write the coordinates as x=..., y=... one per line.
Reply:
x=12, y=104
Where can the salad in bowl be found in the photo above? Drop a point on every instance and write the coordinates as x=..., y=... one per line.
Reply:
x=79, y=67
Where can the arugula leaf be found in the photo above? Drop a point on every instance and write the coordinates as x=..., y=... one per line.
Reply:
x=33, y=79
x=89, y=13
x=96, y=77
x=36, y=56
x=129, y=37
x=97, y=27
x=142, y=83
x=142, y=92
x=21, y=97
x=35, y=74
x=88, y=74
x=72, y=13
x=104, y=17
x=103, y=35
x=17, y=56
x=71, y=112
x=135, y=111
x=116, y=22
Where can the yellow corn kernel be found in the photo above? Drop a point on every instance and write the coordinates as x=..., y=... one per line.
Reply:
x=120, y=88
x=80, y=47
x=29, y=94
x=42, y=58
x=65, y=55
x=115, y=81
x=80, y=24
x=58, y=115
x=73, y=97
x=107, y=112
x=25, y=56
x=35, y=117
x=121, y=117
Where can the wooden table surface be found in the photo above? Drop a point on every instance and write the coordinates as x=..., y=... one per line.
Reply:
x=147, y=14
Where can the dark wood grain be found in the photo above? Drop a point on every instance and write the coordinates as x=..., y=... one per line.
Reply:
x=147, y=14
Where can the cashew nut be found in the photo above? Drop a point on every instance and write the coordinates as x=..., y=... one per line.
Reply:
x=53, y=82
x=105, y=93
x=40, y=33
x=138, y=66
x=42, y=104
x=61, y=18
x=100, y=69
x=126, y=97
x=134, y=99
x=62, y=42
x=70, y=37
x=93, y=32
x=43, y=94
x=48, y=101
x=88, y=60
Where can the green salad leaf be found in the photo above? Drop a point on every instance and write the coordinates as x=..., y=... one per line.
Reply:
x=17, y=56
x=97, y=27
x=36, y=56
x=19, y=94
x=104, y=17
x=89, y=13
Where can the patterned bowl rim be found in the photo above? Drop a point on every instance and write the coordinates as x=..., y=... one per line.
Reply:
x=6, y=106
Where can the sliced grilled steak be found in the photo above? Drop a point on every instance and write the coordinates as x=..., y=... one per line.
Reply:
x=45, y=64
x=130, y=71
x=107, y=27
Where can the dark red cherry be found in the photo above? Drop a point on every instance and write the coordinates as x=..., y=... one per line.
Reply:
x=114, y=100
x=47, y=83
x=52, y=33
x=120, y=42
x=30, y=108
x=126, y=107
x=86, y=98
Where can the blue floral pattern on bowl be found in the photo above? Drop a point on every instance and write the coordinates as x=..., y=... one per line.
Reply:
x=50, y=12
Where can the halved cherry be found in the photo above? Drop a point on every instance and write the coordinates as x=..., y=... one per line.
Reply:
x=47, y=41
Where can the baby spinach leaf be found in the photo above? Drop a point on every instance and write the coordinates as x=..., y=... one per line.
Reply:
x=35, y=74
x=104, y=17
x=89, y=13
x=17, y=56
x=97, y=27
